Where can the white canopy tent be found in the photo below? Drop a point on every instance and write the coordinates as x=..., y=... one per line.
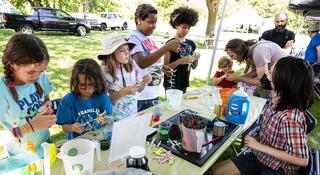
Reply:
x=245, y=17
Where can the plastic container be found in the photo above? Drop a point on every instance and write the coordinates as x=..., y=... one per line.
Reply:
x=78, y=157
x=174, y=98
x=238, y=107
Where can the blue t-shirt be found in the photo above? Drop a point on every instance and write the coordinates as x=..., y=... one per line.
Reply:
x=13, y=114
x=311, y=53
x=73, y=109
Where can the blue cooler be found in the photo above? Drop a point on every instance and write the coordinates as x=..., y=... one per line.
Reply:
x=238, y=107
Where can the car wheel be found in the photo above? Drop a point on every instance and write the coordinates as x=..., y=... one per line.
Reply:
x=26, y=29
x=81, y=31
x=124, y=26
x=103, y=27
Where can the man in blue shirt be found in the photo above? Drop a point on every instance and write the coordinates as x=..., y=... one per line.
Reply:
x=312, y=54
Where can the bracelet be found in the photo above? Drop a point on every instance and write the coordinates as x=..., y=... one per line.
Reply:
x=30, y=125
x=25, y=130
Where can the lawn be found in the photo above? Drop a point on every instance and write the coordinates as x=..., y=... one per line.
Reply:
x=65, y=50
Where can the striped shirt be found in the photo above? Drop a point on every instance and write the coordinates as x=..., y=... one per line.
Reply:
x=283, y=130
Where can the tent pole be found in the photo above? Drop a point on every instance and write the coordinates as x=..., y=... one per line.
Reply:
x=216, y=41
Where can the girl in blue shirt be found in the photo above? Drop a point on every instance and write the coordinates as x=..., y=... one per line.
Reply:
x=87, y=106
x=25, y=108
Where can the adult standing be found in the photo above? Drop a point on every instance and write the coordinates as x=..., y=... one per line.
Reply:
x=280, y=35
x=312, y=55
x=259, y=56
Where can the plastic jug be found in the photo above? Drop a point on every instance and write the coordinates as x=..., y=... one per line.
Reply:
x=78, y=157
x=174, y=98
x=238, y=107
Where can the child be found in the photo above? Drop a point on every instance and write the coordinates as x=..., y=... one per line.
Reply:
x=280, y=146
x=225, y=65
x=121, y=76
x=182, y=19
x=24, y=97
x=147, y=55
x=86, y=107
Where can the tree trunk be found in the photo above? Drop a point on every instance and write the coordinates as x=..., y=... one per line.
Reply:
x=212, y=6
x=85, y=9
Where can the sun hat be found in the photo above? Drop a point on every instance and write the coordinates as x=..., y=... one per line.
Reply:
x=312, y=28
x=111, y=42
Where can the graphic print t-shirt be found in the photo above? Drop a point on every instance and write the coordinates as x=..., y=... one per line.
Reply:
x=181, y=78
x=13, y=114
x=147, y=46
x=125, y=106
x=73, y=109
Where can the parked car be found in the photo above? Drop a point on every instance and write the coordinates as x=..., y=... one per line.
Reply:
x=94, y=23
x=113, y=21
x=46, y=19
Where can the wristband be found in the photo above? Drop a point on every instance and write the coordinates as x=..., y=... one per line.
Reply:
x=25, y=130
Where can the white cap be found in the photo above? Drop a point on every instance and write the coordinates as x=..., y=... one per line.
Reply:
x=137, y=152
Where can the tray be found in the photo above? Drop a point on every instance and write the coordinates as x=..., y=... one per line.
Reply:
x=198, y=158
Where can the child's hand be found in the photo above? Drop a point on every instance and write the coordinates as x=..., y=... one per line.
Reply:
x=42, y=121
x=146, y=79
x=185, y=60
x=196, y=56
x=129, y=90
x=46, y=108
x=105, y=119
x=167, y=70
x=78, y=128
x=173, y=45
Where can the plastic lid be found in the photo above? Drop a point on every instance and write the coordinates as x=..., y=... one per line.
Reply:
x=137, y=152
x=219, y=124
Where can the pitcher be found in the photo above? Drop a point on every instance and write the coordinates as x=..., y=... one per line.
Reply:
x=78, y=157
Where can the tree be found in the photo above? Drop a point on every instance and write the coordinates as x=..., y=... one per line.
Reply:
x=213, y=6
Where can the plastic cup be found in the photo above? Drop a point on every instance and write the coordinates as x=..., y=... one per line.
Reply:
x=164, y=131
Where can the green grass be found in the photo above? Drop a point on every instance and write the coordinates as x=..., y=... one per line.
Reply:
x=66, y=49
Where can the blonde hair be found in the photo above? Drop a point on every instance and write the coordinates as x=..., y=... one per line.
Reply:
x=110, y=62
x=224, y=61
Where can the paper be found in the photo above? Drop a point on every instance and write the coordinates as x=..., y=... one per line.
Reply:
x=127, y=133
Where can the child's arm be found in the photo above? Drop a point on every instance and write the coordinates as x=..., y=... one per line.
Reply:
x=196, y=60
x=173, y=65
x=145, y=61
x=114, y=96
x=76, y=127
x=216, y=80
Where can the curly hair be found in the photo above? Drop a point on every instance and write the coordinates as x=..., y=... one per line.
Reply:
x=23, y=49
x=92, y=72
x=183, y=15
x=143, y=11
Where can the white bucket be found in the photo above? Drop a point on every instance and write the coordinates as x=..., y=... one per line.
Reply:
x=174, y=98
x=78, y=157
